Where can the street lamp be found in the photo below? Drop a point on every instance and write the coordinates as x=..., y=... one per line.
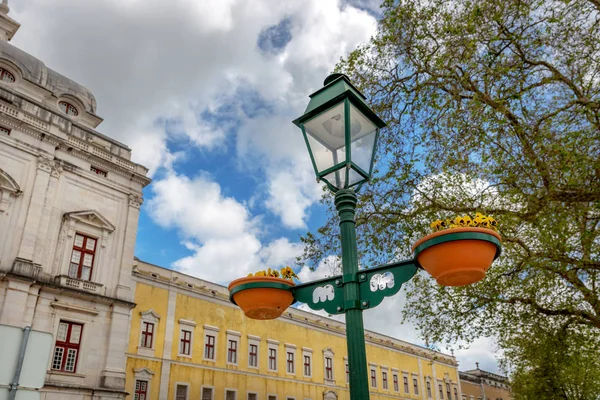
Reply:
x=340, y=131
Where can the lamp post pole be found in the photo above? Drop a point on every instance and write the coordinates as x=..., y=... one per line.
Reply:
x=345, y=203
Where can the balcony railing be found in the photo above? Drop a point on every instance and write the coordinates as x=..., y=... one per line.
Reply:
x=73, y=283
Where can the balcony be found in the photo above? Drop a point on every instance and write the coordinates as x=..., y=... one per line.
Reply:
x=86, y=286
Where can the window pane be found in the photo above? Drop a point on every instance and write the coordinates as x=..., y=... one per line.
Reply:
x=87, y=260
x=90, y=244
x=86, y=273
x=78, y=241
x=57, y=358
x=73, y=268
x=71, y=358
x=61, y=335
x=206, y=393
x=76, y=256
x=230, y=395
x=75, y=334
x=252, y=396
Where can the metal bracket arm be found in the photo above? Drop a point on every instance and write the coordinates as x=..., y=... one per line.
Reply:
x=375, y=284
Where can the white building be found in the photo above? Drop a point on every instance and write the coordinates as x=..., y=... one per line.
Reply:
x=69, y=206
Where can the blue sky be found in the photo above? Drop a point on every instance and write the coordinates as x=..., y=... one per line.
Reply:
x=204, y=93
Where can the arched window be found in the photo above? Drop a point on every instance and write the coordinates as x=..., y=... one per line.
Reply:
x=6, y=76
x=68, y=108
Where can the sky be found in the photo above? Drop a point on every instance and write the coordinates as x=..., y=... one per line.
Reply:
x=204, y=92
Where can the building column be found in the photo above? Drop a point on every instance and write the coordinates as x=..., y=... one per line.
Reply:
x=43, y=239
x=113, y=375
x=422, y=381
x=124, y=274
x=36, y=208
x=165, y=373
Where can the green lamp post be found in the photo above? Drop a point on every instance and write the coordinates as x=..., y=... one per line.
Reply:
x=341, y=131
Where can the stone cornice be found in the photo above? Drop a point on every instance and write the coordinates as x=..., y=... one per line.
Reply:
x=13, y=117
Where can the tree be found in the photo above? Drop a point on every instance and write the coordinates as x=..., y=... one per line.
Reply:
x=555, y=363
x=492, y=106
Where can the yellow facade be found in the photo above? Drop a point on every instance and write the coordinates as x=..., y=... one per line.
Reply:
x=173, y=301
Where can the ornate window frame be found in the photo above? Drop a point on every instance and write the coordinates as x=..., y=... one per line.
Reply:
x=143, y=374
x=89, y=223
x=307, y=352
x=254, y=341
x=233, y=336
x=9, y=190
x=328, y=353
x=149, y=316
x=190, y=326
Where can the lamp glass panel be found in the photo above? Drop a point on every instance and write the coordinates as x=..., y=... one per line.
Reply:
x=354, y=177
x=328, y=128
x=337, y=178
x=363, y=133
x=324, y=157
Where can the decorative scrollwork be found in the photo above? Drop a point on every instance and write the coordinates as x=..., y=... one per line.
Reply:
x=323, y=294
x=382, y=281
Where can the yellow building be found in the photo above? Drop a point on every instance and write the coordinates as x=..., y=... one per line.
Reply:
x=187, y=341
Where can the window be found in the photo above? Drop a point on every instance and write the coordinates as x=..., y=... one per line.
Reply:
x=448, y=391
x=416, y=386
x=384, y=382
x=68, y=108
x=429, y=389
x=290, y=362
x=347, y=372
x=441, y=391
x=232, y=352
x=181, y=392
x=185, y=347
x=6, y=76
x=5, y=130
x=307, y=361
x=271, y=397
x=98, y=171
x=396, y=387
x=373, y=378
x=253, y=355
x=273, y=359
x=306, y=365
x=147, y=334
x=455, y=394
x=207, y=393
x=66, y=350
x=405, y=379
x=82, y=257
x=328, y=368
x=252, y=396
x=230, y=394
x=141, y=390
x=209, y=347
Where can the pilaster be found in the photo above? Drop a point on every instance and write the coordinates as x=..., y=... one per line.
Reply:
x=36, y=208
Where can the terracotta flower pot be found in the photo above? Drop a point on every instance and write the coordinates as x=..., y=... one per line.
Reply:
x=261, y=297
x=458, y=256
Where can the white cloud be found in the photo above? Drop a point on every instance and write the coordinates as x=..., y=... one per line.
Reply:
x=219, y=231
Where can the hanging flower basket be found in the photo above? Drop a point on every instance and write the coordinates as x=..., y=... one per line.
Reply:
x=459, y=255
x=262, y=297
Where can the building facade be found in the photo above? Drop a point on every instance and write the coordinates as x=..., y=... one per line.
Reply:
x=188, y=341
x=69, y=205
x=477, y=384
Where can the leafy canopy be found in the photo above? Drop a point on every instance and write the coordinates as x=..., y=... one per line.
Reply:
x=492, y=106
